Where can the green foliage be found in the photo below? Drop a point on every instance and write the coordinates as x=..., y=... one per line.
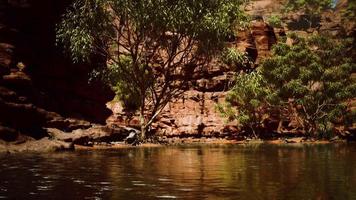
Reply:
x=274, y=21
x=311, y=11
x=90, y=24
x=147, y=43
x=236, y=59
x=350, y=12
x=115, y=77
x=309, y=7
x=314, y=76
x=85, y=21
x=247, y=101
x=311, y=77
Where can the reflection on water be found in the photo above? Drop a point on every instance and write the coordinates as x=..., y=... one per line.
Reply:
x=190, y=172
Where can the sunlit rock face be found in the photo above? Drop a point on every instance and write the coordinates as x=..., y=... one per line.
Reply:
x=39, y=87
x=264, y=7
x=195, y=112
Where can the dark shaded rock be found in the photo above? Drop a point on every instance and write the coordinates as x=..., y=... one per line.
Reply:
x=39, y=85
x=42, y=145
x=26, y=118
x=304, y=22
x=8, y=134
x=264, y=38
x=68, y=124
x=60, y=86
x=6, y=52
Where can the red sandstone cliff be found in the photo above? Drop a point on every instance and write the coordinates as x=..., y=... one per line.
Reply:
x=195, y=113
x=39, y=87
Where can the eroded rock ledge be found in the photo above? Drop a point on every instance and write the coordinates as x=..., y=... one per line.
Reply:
x=58, y=140
x=39, y=86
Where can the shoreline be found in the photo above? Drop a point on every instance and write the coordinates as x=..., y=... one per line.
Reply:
x=210, y=142
x=45, y=145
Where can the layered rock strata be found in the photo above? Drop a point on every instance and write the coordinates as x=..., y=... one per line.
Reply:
x=39, y=86
x=194, y=113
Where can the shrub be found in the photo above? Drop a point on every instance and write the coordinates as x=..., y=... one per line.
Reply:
x=274, y=21
x=314, y=76
x=247, y=102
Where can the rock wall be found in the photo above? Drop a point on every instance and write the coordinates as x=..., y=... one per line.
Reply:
x=39, y=87
x=195, y=112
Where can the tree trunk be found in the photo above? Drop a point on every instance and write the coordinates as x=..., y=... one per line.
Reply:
x=253, y=131
x=143, y=132
x=314, y=128
x=143, y=124
x=311, y=128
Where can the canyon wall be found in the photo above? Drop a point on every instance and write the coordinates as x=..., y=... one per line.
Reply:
x=195, y=113
x=39, y=86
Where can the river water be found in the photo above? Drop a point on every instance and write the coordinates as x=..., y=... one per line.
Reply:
x=184, y=172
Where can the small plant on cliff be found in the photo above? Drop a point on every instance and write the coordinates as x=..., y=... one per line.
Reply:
x=274, y=21
x=312, y=9
x=314, y=76
x=151, y=46
x=247, y=102
x=237, y=60
x=350, y=12
x=309, y=6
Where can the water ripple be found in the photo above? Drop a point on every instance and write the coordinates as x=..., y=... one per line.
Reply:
x=166, y=197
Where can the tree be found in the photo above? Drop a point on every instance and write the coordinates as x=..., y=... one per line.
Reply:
x=151, y=46
x=313, y=76
x=247, y=102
